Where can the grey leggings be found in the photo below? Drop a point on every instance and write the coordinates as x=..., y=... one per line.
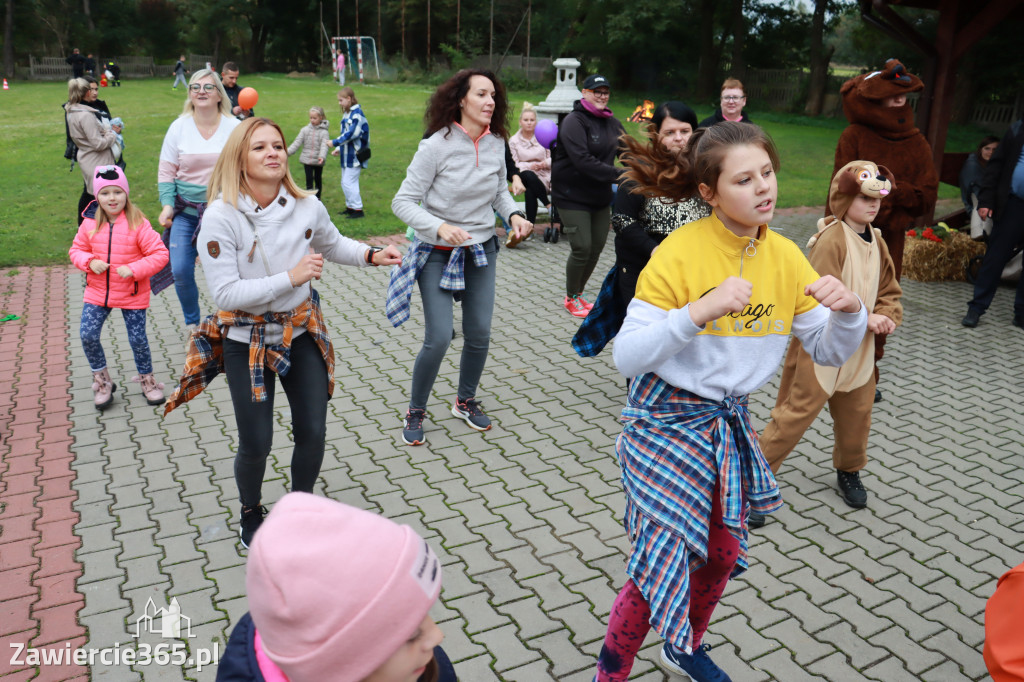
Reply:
x=477, y=309
x=587, y=232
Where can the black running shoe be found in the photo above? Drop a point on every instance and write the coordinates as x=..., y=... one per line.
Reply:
x=249, y=522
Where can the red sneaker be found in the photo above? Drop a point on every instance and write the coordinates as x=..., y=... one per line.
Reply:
x=576, y=307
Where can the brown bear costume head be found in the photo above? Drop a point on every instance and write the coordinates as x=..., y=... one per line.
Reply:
x=863, y=98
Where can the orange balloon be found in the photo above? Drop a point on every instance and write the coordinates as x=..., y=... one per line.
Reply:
x=247, y=98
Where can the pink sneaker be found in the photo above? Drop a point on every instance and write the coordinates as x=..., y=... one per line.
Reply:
x=586, y=304
x=575, y=306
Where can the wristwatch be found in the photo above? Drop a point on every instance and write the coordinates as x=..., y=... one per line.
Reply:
x=518, y=213
x=371, y=253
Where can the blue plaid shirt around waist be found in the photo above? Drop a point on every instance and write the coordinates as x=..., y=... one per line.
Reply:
x=404, y=276
x=674, y=447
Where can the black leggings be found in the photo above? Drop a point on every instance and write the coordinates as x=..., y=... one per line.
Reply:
x=306, y=388
x=314, y=178
x=534, y=190
x=84, y=201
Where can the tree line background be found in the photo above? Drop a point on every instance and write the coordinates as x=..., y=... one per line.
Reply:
x=639, y=44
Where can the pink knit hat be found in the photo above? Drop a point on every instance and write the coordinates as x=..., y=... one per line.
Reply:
x=105, y=176
x=334, y=591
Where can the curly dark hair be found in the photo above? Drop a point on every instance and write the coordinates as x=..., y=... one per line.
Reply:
x=443, y=106
x=659, y=172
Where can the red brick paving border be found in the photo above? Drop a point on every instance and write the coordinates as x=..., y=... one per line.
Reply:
x=39, y=603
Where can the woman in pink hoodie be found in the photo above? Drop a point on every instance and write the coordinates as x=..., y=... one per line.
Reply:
x=119, y=251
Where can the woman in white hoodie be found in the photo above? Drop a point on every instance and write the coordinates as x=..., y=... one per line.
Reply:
x=262, y=242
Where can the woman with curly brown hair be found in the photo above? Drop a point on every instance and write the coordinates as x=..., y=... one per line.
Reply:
x=453, y=187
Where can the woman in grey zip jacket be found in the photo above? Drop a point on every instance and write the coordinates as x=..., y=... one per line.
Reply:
x=458, y=173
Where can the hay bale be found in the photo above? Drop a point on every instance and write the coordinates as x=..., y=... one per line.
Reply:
x=928, y=261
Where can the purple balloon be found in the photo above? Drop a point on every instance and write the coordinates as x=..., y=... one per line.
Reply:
x=546, y=132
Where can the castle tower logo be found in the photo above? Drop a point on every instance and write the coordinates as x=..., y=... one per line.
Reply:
x=166, y=622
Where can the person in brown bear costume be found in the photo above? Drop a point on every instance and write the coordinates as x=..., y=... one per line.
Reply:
x=882, y=129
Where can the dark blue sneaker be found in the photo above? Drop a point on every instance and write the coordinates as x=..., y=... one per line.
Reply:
x=697, y=666
x=412, y=431
x=472, y=413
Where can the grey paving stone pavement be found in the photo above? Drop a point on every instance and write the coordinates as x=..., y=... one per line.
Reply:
x=527, y=517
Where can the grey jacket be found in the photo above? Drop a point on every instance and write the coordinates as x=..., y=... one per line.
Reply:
x=313, y=141
x=459, y=182
x=277, y=236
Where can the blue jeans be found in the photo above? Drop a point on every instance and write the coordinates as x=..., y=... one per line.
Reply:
x=93, y=317
x=438, y=319
x=183, y=265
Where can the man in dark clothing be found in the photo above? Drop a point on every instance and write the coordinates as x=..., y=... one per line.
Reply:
x=1001, y=196
x=90, y=65
x=733, y=101
x=77, y=62
x=115, y=71
x=229, y=78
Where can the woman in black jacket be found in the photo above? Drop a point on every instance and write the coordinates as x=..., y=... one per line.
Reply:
x=582, y=175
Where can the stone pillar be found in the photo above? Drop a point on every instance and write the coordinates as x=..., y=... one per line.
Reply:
x=560, y=100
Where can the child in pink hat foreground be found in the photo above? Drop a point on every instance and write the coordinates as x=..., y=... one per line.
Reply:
x=337, y=594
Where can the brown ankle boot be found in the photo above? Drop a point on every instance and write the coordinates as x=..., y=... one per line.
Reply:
x=151, y=389
x=102, y=389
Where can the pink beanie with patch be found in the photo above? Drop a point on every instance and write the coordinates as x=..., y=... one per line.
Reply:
x=105, y=176
x=334, y=591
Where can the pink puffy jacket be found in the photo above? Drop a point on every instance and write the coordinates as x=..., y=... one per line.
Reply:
x=140, y=249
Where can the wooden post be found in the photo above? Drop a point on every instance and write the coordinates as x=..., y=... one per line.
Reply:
x=529, y=18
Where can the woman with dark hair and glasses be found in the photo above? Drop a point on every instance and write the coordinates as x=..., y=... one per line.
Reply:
x=191, y=148
x=455, y=184
x=89, y=129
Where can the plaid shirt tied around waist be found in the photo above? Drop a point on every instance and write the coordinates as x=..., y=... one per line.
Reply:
x=205, y=358
x=604, y=320
x=675, y=445
x=404, y=276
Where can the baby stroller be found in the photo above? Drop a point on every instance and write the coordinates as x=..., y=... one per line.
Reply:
x=553, y=231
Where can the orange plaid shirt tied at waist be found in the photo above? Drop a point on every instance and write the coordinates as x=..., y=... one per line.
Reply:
x=205, y=358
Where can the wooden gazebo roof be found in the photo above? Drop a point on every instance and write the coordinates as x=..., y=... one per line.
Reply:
x=962, y=23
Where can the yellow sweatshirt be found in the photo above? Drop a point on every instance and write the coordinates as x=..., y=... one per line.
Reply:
x=737, y=353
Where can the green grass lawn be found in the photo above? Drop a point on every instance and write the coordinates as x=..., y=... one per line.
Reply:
x=38, y=196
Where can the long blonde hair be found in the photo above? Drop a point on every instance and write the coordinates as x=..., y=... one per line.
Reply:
x=132, y=214
x=230, y=176
x=225, y=101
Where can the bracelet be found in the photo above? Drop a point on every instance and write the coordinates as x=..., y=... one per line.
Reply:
x=291, y=280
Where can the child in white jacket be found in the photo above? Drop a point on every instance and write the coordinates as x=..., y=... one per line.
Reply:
x=313, y=140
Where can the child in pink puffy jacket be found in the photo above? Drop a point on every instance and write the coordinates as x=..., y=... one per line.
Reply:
x=119, y=251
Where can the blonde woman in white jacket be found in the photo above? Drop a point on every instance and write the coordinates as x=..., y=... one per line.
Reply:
x=262, y=243
x=313, y=139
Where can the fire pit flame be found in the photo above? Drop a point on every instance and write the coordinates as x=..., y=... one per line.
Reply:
x=643, y=112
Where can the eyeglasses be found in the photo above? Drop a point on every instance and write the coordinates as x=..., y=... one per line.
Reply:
x=208, y=87
x=733, y=98
x=601, y=93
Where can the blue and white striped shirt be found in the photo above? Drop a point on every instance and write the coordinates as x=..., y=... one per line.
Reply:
x=355, y=134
